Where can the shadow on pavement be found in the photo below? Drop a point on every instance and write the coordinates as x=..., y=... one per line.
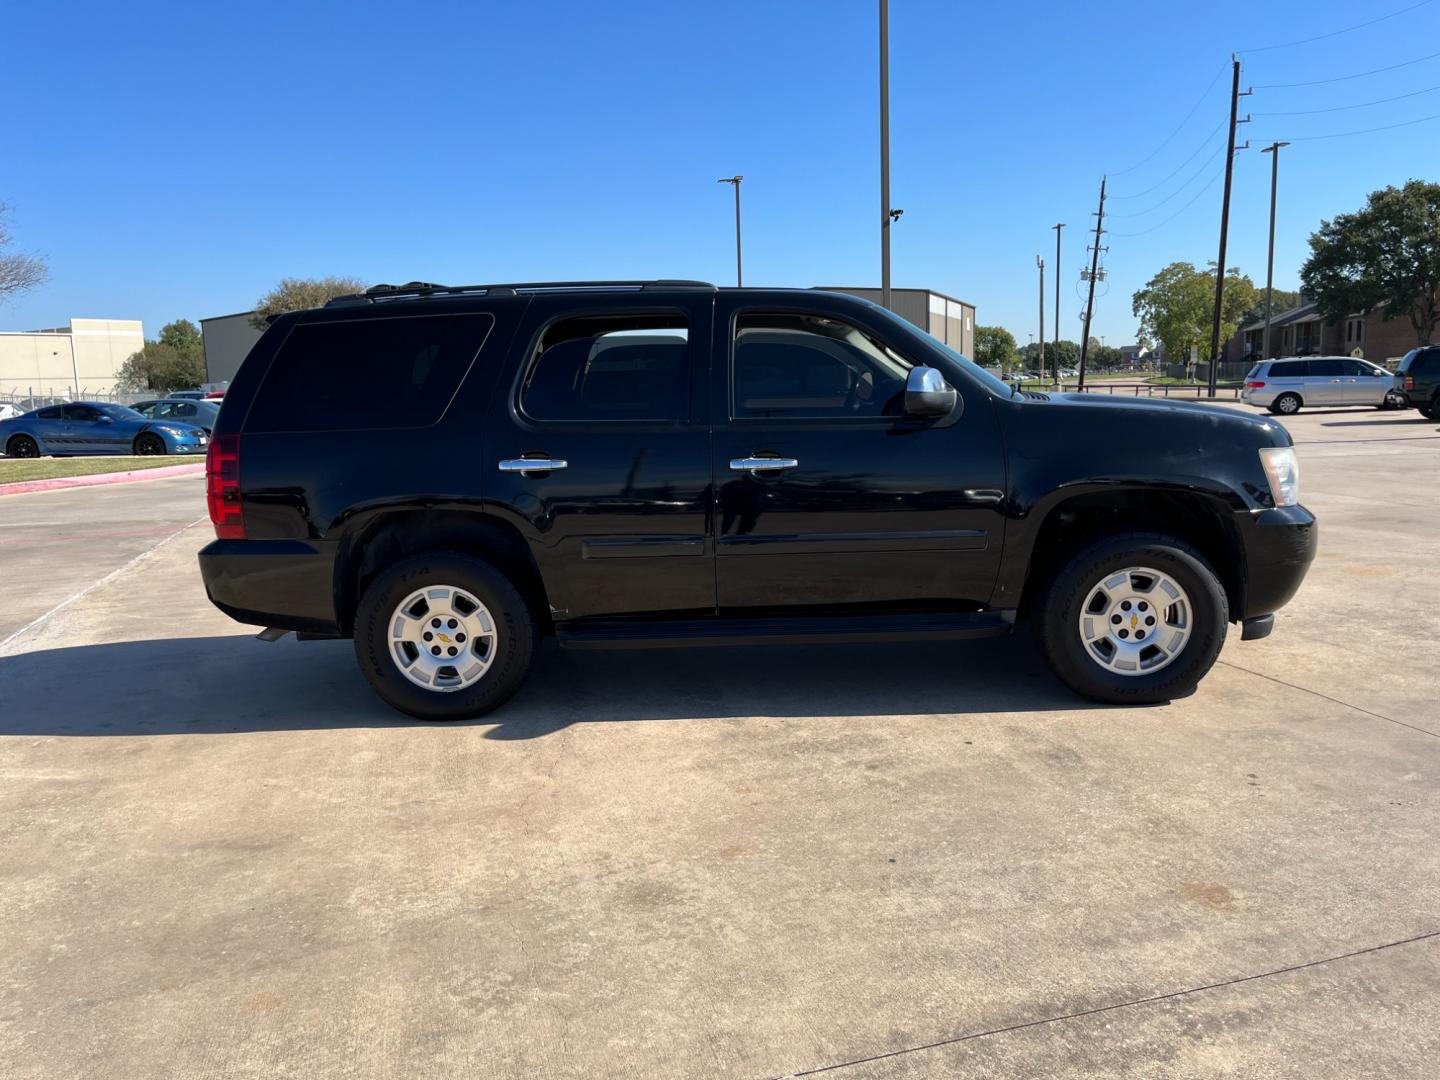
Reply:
x=1390, y=421
x=219, y=685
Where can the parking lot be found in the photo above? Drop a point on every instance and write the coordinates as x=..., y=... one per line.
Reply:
x=221, y=857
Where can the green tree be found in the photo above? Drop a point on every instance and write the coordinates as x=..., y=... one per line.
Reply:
x=184, y=337
x=1102, y=357
x=161, y=367
x=297, y=294
x=1385, y=254
x=1177, y=306
x=1281, y=300
x=995, y=348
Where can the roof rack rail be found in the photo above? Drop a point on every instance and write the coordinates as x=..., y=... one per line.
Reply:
x=423, y=289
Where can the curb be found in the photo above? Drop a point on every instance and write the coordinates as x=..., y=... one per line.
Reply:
x=59, y=483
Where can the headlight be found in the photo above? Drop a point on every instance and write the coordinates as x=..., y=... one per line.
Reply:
x=176, y=432
x=1282, y=470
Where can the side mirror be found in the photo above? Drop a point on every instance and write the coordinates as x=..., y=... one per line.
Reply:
x=928, y=394
x=106, y=419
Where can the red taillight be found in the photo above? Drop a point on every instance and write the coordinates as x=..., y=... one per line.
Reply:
x=1254, y=385
x=1409, y=382
x=222, y=487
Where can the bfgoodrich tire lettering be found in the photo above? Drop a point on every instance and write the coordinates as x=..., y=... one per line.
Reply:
x=515, y=638
x=1062, y=603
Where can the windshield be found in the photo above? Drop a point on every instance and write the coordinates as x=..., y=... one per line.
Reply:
x=925, y=341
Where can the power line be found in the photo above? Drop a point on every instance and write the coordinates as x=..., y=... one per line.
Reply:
x=1153, y=187
x=1178, y=129
x=1197, y=174
x=1363, y=131
x=1219, y=173
x=1337, y=33
x=1346, y=78
x=1343, y=108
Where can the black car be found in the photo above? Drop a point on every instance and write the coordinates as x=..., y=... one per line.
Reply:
x=447, y=473
x=1418, y=378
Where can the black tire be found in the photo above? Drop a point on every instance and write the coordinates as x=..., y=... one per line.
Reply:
x=22, y=446
x=1430, y=410
x=1060, y=609
x=517, y=638
x=1286, y=405
x=148, y=444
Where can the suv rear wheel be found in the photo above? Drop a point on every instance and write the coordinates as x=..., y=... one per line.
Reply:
x=444, y=636
x=1133, y=619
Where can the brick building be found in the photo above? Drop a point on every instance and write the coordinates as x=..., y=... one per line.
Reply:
x=1303, y=331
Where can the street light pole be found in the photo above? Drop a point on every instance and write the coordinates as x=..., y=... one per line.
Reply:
x=1040, y=264
x=1056, y=272
x=739, y=276
x=885, y=217
x=1273, y=148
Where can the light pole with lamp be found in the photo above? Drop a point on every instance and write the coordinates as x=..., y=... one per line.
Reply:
x=739, y=276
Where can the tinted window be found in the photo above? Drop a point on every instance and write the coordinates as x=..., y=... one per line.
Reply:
x=1328, y=369
x=175, y=410
x=1426, y=362
x=1292, y=369
x=1355, y=367
x=804, y=365
x=611, y=368
x=367, y=373
x=52, y=413
x=82, y=413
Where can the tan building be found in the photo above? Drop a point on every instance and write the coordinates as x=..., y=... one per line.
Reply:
x=68, y=361
x=951, y=321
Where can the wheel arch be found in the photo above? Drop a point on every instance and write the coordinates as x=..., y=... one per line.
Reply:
x=382, y=538
x=1199, y=520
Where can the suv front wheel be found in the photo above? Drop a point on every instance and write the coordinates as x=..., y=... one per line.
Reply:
x=444, y=636
x=1135, y=619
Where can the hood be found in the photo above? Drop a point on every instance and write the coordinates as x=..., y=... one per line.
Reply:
x=1193, y=414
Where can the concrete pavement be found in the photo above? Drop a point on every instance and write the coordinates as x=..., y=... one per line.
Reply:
x=225, y=858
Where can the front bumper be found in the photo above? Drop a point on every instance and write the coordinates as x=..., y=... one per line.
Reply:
x=288, y=584
x=1279, y=546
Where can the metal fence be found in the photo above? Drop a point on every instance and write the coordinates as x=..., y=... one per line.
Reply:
x=33, y=398
x=1183, y=390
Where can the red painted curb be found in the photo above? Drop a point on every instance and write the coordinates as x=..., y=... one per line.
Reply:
x=60, y=482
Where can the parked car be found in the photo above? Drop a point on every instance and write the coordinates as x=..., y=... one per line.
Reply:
x=1418, y=378
x=215, y=395
x=444, y=475
x=188, y=411
x=1284, y=386
x=187, y=395
x=92, y=427
x=8, y=411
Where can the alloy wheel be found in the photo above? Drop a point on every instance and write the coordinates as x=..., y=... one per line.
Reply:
x=1135, y=621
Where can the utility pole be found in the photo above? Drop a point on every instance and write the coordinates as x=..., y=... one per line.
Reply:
x=1094, y=272
x=1056, y=272
x=739, y=277
x=1273, y=148
x=1225, y=223
x=1040, y=262
x=885, y=216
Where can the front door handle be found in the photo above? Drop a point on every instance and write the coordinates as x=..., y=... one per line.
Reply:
x=528, y=465
x=763, y=464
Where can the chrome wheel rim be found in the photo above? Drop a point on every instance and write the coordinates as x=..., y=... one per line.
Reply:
x=1136, y=621
x=443, y=638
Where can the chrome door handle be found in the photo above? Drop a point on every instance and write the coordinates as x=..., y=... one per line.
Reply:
x=763, y=464
x=532, y=464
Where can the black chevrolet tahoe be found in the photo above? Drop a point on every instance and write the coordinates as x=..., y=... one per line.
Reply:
x=445, y=474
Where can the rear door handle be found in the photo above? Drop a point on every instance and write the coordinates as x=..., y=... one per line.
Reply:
x=532, y=464
x=763, y=464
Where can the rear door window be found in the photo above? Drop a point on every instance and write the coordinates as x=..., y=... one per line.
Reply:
x=1426, y=362
x=1325, y=369
x=1293, y=369
x=629, y=367
x=368, y=373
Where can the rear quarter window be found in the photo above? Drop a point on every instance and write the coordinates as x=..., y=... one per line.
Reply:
x=399, y=372
x=1426, y=362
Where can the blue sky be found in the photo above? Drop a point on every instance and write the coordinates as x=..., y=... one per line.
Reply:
x=175, y=160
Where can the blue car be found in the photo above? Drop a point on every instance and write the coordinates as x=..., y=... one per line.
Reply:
x=89, y=427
